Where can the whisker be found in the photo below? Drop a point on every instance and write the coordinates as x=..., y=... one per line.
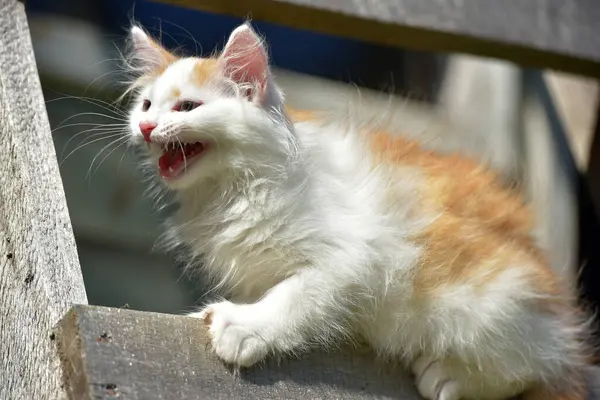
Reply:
x=98, y=132
x=196, y=43
x=96, y=124
x=105, y=147
x=89, y=113
x=88, y=143
x=122, y=156
x=122, y=142
x=105, y=61
x=98, y=78
x=90, y=100
x=161, y=32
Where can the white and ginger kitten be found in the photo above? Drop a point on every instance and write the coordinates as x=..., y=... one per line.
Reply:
x=321, y=231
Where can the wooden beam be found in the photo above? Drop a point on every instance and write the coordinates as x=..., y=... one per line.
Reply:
x=553, y=34
x=122, y=354
x=39, y=269
x=115, y=353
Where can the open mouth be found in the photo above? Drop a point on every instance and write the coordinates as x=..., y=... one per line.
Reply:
x=177, y=157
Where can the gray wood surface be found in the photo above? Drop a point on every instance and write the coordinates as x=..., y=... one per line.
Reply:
x=135, y=355
x=122, y=354
x=555, y=34
x=39, y=270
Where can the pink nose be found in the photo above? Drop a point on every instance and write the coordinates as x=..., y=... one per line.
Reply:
x=146, y=128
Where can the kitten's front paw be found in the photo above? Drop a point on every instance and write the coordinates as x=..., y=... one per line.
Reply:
x=233, y=338
x=433, y=381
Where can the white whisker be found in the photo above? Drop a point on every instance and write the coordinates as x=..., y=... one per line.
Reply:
x=98, y=78
x=98, y=131
x=88, y=113
x=96, y=124
x=121, y=142
x=93, y=101
x=123, y=155
x=87, y=144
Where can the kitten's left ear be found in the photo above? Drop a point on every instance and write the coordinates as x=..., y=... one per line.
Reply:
x=148, y=55
x=245, y=61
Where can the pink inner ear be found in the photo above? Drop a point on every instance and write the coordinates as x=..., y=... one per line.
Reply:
x=244, y=58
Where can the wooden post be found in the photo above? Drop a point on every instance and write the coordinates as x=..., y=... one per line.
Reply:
x=40, y=277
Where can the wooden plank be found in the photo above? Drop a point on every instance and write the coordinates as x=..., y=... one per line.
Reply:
x=39, y=270
x=110, y=353
x=554, y=34
x=132, y=355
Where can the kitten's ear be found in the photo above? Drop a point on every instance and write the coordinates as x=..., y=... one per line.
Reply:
x=245, y=61
x=148, y=55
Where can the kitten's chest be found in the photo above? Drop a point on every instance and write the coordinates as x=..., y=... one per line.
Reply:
x=245, y=259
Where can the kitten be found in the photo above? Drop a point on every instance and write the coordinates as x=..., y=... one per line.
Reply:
x=321, y=231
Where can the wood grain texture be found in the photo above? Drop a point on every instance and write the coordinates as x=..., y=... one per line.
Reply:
x=131, y=355
x=136, y=355
x=39, y=269
x=554, y=34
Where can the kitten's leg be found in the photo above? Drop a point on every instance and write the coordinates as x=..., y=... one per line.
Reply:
x=302, y=307
x=536, y=351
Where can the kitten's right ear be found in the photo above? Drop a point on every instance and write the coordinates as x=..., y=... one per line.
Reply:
x=245, y=61
x=148, y=55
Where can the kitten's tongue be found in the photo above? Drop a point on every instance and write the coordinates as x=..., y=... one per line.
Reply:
x=175, y=158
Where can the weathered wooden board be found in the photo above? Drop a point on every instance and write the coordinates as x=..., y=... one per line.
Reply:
x=40, y=276
x=555, y=34
x=135, y=355
x=132, y=355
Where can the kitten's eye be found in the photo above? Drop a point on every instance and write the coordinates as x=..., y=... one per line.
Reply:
x=187, y=105
x=146, y=105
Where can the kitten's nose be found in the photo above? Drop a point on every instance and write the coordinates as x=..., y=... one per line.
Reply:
x=146, y=128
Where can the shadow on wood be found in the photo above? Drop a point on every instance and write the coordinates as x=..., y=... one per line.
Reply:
x=114, y=353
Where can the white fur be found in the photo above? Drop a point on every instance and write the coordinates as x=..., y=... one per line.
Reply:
x=310, y=238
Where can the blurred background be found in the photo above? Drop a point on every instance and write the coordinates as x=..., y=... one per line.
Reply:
x=533, y=126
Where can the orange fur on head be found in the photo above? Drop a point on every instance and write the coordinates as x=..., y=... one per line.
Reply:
x=167, y=57
x=204, y=69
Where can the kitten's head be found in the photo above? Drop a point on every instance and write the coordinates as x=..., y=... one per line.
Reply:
x=207, y=118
